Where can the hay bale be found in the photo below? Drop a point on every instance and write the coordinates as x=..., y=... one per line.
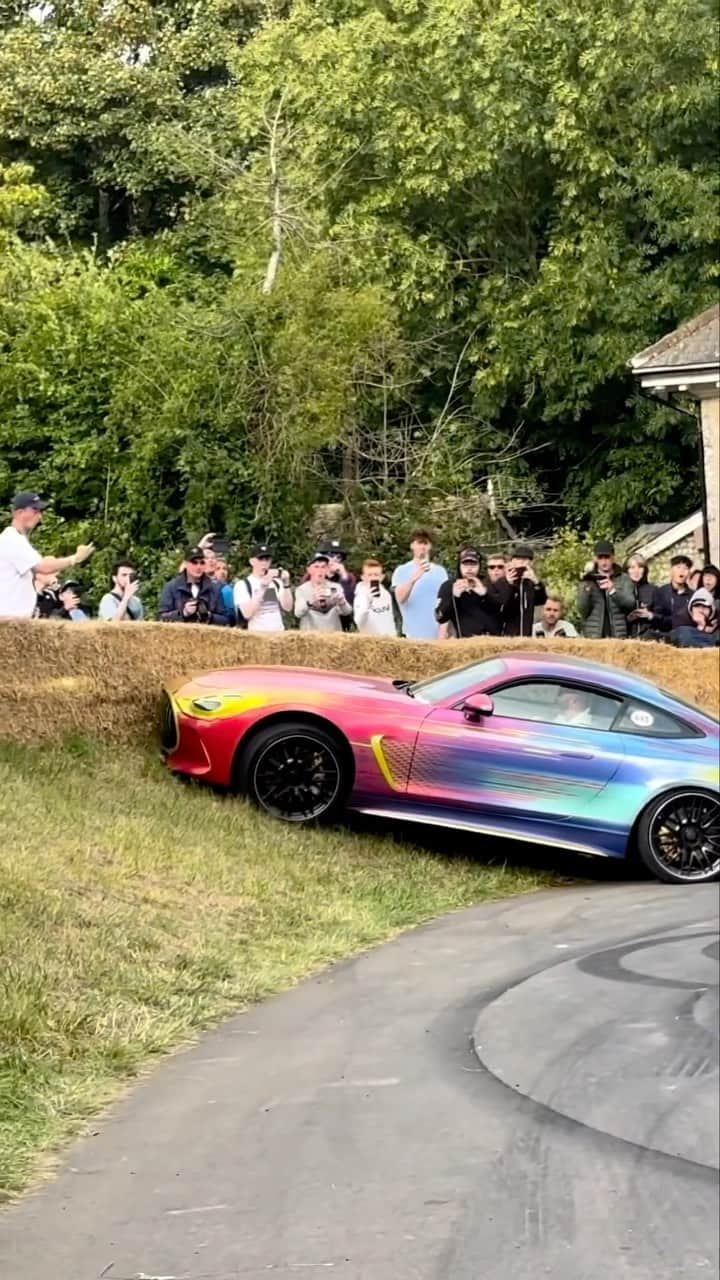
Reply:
x=59, y=679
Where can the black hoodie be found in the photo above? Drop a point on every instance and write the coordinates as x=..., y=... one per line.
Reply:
x=470, y=614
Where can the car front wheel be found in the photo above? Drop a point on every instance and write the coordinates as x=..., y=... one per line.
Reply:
x=296, y=772
x=679, y=837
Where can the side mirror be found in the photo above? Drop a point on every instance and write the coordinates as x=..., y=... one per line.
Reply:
x=477, y=705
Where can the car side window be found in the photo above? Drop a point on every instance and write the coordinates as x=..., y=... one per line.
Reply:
x=550, y=702
x=650, y=722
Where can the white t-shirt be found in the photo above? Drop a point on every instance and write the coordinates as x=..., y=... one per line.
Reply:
x=374, y=613
x=17, y=561
x=269, y=615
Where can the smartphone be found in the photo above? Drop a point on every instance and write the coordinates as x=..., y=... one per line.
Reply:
x=132, y=576
x=375, y=588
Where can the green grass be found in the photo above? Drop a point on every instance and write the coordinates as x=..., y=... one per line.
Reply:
x=135, y=911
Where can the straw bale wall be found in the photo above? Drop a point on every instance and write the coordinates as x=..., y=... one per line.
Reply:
x=58, y=679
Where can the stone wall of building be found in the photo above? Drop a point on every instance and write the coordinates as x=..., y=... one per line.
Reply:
x=659, y=570
x=710, y=416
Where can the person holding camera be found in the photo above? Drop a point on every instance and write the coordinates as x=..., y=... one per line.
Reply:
x=373, y=606
x=469, y=606
x=121, y=603
x=193, y=596
x=523, y=591
x=47, y=588
x=262, y=598
x=605, y=596
x=70, y=596
x=320, y=605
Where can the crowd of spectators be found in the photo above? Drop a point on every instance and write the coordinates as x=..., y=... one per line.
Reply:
x=500, y=597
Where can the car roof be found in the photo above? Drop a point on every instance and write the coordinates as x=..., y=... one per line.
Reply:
x=528, y=662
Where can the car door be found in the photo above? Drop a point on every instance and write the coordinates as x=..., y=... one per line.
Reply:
x=546, y=751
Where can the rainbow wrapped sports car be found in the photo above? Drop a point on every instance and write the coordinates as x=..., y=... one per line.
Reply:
x=536, y=747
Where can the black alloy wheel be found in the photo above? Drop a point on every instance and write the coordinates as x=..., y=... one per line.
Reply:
x=679, y=837
x=295, y=772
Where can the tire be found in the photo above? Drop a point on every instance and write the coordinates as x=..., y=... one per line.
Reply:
x=678, y=837
x=296, y=772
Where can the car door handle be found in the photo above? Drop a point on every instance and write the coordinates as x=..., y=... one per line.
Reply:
x=577, y=755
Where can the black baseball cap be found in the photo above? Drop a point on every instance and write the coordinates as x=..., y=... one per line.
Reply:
x=195, y=553
x=523, y=552
x=333, y=548
x=71, y=584
x=469, y=553
x=604, y=548
x=318, y=557
x=26, y=498
x=260, y=551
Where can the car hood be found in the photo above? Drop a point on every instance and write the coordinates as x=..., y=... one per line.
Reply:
x=298, y=680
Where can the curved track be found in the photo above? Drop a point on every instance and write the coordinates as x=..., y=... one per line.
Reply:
x=524, y=1089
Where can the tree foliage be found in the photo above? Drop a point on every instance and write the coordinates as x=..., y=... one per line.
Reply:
x=258, y=257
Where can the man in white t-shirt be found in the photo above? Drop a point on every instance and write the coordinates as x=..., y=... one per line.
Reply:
x=19, y=559
x=373, y=606
x=264, y=596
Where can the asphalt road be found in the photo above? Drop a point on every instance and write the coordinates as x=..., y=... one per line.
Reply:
x=522, y=1090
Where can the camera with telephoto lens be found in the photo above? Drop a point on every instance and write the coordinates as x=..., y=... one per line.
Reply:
x=202, y=612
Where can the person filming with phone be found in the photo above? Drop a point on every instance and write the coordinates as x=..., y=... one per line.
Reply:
x=523, y=592
x=121, y=602
x=469, y=606
x=262, y=598
x=320, y=605
x=373, y=607
x=416, y=585
x=605, y=596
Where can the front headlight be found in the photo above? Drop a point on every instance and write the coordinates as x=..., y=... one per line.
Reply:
x=217, y=706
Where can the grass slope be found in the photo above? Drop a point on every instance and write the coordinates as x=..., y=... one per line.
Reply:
x=136, y=911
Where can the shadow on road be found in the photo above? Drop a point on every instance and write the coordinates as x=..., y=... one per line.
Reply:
x=497, y=852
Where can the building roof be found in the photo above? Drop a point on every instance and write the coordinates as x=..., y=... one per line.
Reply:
x=694, y=345
x=643, y=534
x=651, y=540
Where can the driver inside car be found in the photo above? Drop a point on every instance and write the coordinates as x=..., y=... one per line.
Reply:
x=574, y=707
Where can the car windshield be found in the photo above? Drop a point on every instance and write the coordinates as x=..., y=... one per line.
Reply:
x=451, y=684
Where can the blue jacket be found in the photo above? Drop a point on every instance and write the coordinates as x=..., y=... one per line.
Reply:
x=176, y=593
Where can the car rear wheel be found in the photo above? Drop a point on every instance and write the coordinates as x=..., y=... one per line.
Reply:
x=295, y=771
x=679, y=837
